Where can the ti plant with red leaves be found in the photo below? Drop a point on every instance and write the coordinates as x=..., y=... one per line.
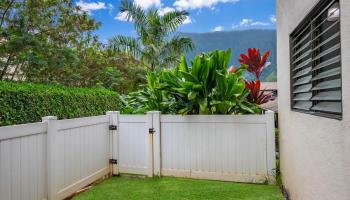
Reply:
x=255, y=64
x=254, y=61
x=255, y=95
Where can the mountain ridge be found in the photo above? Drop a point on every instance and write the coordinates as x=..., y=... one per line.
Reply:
x=239, y=42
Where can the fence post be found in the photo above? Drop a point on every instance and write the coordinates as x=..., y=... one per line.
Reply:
x=52, y=128
x=156, y=143
x=114, y=139
x=271, y=152
x=150, y=143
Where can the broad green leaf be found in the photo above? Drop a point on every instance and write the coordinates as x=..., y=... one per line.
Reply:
x=192, y=95
x=196, y=66
x=221, y=83
x=188, y=76
x=183, y=64
x=203, y=105
x=227, y=58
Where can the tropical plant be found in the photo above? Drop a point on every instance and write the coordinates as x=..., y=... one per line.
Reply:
x=155, y=46
x=255, y=64
x=257, y=96
x=148, y=99
x=205, y=87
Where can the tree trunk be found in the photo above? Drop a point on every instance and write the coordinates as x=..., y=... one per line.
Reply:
x=5, y=12
x=152, y=67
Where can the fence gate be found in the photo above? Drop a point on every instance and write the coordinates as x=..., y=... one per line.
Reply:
x=133, y=147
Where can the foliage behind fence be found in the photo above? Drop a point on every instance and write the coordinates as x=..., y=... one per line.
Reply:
x=26, y=102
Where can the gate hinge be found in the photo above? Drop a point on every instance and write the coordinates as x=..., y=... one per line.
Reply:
x=151, y=130
x=112, y=127
x=113, y=161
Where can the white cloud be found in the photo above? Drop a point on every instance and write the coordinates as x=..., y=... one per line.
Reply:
x=218, y=28
x=122, y=16
x=145, y=4
x=110, y=8
x=245, y=23
x=258, y=23
x=198, y=4
x=88, y=7
x=163, y=11
x=188, y=20
x=273, y=18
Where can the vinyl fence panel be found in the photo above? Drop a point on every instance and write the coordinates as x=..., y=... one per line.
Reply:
x=78, y=153
x=134, y=144
x=53, y=159
x=230, y=148
x=23, y=162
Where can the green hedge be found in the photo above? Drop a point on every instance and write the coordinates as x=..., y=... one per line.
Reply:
x=26, y=102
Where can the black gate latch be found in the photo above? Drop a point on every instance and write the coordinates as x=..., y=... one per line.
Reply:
x=112, y=127
x=151, y=130
x=113, y=161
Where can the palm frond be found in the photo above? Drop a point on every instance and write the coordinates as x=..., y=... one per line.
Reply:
x=154, y=25
x=173, y=48
x=134, y=13
x=172, y=20
x=125, y=44
x=178, y=45
x=170, y=61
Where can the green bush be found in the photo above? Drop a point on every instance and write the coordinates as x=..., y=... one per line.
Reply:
x=203, y=87
x=25, y=102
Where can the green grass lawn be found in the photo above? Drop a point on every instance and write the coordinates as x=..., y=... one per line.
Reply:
x=129, y=188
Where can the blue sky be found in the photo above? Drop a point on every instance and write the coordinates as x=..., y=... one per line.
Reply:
x=205, y=15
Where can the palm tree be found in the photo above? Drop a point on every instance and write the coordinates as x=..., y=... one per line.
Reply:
x=156, y=44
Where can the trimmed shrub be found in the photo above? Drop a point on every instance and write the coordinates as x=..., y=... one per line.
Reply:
x=27, y=102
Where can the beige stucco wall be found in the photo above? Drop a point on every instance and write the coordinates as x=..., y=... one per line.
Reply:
x=315, y=151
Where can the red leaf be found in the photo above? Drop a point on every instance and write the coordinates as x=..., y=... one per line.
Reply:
x=254, y=61
x=256, y=95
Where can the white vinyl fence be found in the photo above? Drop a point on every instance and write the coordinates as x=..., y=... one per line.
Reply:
x=78, y=154
x=23, y=162
x=134, y=144
x=55, y=158
x=219, y=147
x=230, y=148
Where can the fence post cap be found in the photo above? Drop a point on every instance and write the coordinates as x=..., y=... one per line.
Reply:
x=112, y=112
x=46, y=118
x=154, y=111
x=269, y=112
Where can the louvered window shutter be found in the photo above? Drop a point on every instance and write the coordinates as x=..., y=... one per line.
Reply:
x=316, y=62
